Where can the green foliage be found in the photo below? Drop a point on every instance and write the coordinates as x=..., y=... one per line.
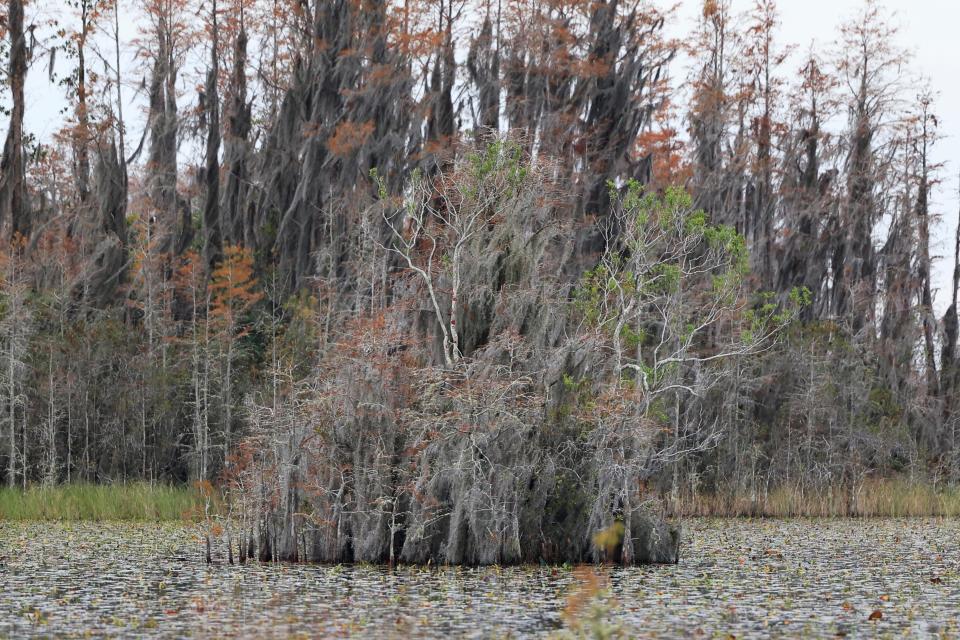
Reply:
x=632, y=339
x=801, y=297
x=664, y=232
x=504, y=156
x=660, y=410
x=379, y=182
x=732, y=243
x=591, y=292
x=665, y=279
x=767, y=314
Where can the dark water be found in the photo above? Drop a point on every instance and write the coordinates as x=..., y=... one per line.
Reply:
x=742, y=578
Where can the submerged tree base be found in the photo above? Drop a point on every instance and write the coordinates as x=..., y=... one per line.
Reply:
x=654, y=542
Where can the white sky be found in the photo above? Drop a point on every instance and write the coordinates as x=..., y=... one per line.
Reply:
x=927, y=29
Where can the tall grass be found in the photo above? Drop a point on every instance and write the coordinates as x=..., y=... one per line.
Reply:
x=894, y=498
x=136, y=501
x=144, y=502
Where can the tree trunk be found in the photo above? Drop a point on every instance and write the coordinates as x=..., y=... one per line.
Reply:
x=212, y=240
x=13, y=193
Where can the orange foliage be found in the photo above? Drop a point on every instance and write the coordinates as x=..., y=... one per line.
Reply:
x=188, y=272
x=233, y=287
x=349, y=136
x=664, y=146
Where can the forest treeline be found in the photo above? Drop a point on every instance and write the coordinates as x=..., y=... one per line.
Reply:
x=468, y=281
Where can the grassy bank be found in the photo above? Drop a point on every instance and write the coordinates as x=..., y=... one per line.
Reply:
x=137, y=501
x=874, y=498
x=143, y=502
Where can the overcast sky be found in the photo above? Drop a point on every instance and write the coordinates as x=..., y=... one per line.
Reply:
x=927, y=29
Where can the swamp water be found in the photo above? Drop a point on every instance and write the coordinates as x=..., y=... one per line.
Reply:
x=760, y=578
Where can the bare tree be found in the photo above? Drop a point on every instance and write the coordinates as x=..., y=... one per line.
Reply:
x=15, y=331
x=443, y=216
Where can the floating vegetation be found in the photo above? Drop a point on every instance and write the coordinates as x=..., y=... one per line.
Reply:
x=745, y=578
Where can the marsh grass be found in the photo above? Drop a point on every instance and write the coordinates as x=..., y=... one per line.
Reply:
x=145, y=502
x=131, y=502
x=874, y=498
